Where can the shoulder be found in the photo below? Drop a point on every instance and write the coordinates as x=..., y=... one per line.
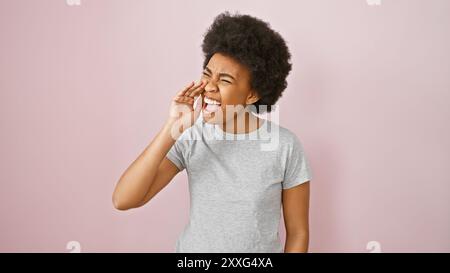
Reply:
x=195, y=132
x=287, y=138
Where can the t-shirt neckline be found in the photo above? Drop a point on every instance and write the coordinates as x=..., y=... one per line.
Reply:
x=219, y=132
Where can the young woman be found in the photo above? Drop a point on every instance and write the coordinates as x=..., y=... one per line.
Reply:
x=236, y=186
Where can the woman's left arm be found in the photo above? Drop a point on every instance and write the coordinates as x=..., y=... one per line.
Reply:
x=296, y=217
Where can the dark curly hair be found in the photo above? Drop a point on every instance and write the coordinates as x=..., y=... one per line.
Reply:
x=254, y=44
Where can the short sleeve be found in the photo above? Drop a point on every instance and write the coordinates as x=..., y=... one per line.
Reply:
x=178, y=152
x=176, y=155
x=297, y=170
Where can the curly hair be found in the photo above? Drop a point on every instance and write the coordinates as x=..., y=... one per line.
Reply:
x=255, y=45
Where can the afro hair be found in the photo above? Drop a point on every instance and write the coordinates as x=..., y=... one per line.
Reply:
x=254, y=44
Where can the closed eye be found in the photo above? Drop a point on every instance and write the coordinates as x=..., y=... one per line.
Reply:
x=205, y=74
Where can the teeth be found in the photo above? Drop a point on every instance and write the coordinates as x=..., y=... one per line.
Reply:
x=210, y=101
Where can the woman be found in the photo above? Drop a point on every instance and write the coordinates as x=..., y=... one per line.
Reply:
x=237, y=185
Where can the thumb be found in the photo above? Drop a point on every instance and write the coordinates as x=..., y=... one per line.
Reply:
x=198, y=107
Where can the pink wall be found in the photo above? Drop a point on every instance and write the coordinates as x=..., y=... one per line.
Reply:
x=84, y=88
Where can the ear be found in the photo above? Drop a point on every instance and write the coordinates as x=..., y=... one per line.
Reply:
x=252, y=97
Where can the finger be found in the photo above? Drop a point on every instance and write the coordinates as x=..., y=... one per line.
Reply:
x=199, y=101
x=198, y=90
x=183, y=91
x=188, y=92
x=184, y=99
x=180, y=99
x=197, y=109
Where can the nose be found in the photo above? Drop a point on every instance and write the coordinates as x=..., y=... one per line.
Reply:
x=211, y=86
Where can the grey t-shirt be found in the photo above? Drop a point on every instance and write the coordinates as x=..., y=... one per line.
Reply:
x=235, y=185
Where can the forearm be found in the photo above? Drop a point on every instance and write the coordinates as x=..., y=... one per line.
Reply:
x=138, y=177
x=297, y=242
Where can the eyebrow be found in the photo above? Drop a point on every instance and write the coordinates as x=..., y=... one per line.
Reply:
x=220, y=74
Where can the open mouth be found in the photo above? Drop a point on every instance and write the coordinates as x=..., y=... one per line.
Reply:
x=210, y=105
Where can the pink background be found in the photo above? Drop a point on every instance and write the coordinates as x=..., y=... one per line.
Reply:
x=85, y=88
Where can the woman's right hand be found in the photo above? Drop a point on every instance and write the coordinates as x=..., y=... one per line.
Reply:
x=182, y=113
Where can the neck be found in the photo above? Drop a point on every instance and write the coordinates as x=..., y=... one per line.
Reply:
x=244, y=123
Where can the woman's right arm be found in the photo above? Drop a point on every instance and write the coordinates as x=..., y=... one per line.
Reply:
x=152, y=171
x=140, y=175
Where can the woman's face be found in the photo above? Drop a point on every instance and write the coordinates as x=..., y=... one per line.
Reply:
x=229, y=85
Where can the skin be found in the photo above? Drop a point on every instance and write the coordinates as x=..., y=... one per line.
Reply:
x=296, y=217
x=151, y=171
x=234, y=93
